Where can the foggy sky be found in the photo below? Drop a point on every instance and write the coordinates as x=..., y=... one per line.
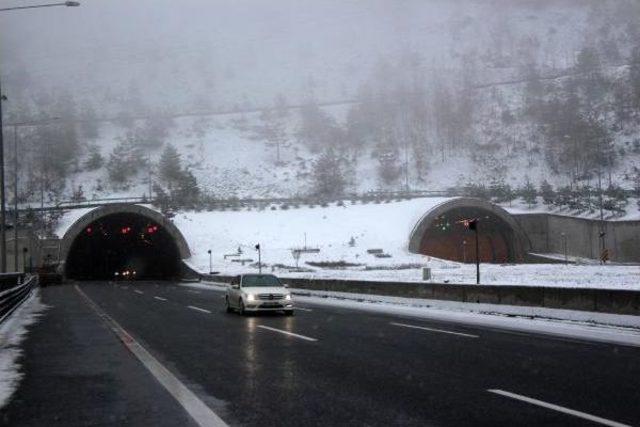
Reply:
x=234, y=51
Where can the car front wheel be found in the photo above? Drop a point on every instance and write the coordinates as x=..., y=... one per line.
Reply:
x=288, y=312
x=241, y=308
x=229, y=309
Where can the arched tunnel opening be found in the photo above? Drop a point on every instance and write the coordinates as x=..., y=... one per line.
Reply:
x=448, y=238
x=123, y=246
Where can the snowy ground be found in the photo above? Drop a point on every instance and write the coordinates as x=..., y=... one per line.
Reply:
x=384, y=226
x=12, y=332
x=344, y=234
x=602, y=327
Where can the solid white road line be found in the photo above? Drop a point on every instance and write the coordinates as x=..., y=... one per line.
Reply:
x=424, y=328
x=138, y=292
x=196, y=408
x=287, y=333
x=553, y=407
x=193, y=291
x=303, y=309
x=160, y=298
x=192, y=307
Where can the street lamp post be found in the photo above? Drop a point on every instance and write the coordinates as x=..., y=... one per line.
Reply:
x=15, y=198
x=210, y=262
x=3, y=211
x=564, y=247
x=24, y=259
x=259, y=258
x=3, y=217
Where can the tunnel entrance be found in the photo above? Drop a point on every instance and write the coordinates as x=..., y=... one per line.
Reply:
x=123, y=246
x=447, y=237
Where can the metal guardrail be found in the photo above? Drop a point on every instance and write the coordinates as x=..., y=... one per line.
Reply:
x=87, y=203
x=10, y=299
x=9, y=280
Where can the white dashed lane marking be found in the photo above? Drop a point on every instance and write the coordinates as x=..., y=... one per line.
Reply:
x=558, y=408
x=442, y=331
x=202, y=310
x=291, y=334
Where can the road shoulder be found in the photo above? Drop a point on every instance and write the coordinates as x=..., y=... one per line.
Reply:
x=77, y=372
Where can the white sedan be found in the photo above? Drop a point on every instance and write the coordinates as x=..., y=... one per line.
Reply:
x=258, y=292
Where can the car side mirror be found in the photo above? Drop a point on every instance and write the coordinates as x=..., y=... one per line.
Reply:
x=235, y=286
x=285, y=285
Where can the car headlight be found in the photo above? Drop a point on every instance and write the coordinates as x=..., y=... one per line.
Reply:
x=251, y=297
x=287, y=297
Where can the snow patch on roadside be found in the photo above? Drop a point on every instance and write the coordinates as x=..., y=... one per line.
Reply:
x=12, y=332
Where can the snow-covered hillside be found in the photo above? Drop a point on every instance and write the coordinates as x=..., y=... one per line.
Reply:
x=428, y=95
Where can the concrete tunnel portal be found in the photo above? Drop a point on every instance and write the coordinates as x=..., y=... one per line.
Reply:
x=441, y=233
x=123, y=241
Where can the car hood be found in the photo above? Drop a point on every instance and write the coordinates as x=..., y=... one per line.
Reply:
x=265, y=290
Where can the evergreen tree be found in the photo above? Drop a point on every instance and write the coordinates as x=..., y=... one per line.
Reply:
x=547, y=193
x=89, y=124
x=634, y=78
x=170, y=168
x=472, y=189
x=272, y=127
x=529, y=193
x=328, y=177
x=94, y=160
x=125, y=161
x=317, y=129
x=186, y=192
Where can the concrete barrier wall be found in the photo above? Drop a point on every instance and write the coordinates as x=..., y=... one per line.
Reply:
x=544, y=232
x=598, y=300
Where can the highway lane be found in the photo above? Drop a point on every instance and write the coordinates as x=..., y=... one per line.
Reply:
x=333, y=366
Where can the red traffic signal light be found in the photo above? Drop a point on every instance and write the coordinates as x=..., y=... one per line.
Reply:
x=470, y=224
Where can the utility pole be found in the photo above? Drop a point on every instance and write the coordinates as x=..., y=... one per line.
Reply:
x=406, y=164
x=210, y=262
x=602, y=233
x=3, y=212
x=24, y=260
x=15, y=198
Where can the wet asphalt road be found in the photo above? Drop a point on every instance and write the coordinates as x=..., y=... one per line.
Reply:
x=343, y=367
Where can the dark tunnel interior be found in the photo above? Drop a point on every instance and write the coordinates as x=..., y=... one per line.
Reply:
x=448, y=238
x=123, y=246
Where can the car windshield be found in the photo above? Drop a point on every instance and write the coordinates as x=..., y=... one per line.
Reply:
x=260, y=280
